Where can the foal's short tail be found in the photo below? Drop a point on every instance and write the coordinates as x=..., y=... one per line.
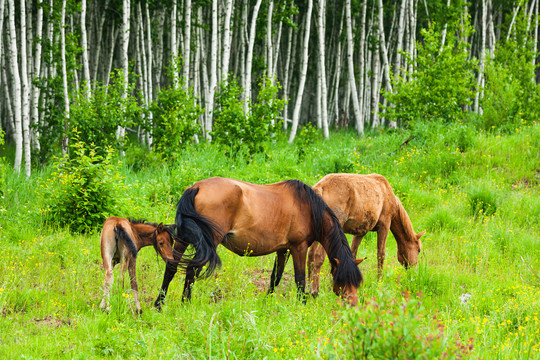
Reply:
x=198, y=231
x=121, y=235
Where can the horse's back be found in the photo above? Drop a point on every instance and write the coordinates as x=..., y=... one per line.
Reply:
x=256, y=218
x=359, y=201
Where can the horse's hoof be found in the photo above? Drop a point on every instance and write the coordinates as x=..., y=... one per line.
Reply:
x=139, y=311
x=314, y=294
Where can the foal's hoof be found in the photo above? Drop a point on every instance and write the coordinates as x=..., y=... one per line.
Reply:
x=138, y=311
x=314, y=294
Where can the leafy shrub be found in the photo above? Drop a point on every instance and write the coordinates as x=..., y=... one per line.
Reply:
x=482, y=201
x=389, y=328
x=441, y=83
x=83, y=189
x=239, y=131
x=176, y=115
x=98, y=117
x=304, y=140
x=3, y=166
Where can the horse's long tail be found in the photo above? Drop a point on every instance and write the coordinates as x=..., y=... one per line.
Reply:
x=331, y=236
x=199, y=231
x=123, y=236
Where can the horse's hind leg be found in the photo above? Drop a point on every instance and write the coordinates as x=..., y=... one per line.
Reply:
x=279, y=267
x=356, y=241
x=191, y=273
x=132, y=268
x=316, y=256
x=108, y=267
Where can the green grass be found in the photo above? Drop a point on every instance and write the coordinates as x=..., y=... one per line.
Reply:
x=50, y=280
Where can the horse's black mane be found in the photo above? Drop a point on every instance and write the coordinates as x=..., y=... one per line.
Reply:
x=347, y=273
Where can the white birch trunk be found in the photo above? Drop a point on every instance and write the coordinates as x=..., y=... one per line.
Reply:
x=480, y=79
x=149, y=78
x=249, y=56
x=37, y=70
x=98, y=42
x=187, y=44
x=126, y=12
x=16, y=87
x=84, y=45
x=174, y=46
x=213, y=70
x=64, y=76
x=322, y=72
x=227, y=40
x=25, y=96
x=289, y=55
x=352, y=81
x=303, y=73
x=269, y=48
x=400, y=33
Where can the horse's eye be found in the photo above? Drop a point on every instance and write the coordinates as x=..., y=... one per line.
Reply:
x=161, y=243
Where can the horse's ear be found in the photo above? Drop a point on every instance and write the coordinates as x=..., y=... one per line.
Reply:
x=160, y=227
x=419, y=235
x=358, y=261
x=336, y=260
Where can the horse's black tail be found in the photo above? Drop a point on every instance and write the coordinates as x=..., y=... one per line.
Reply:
x=121, y=234
x=199, y=231
x=336, y=246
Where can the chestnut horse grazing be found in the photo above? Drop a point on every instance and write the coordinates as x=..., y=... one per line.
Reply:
x=365, y=203
x=121, y=240
x=255, y=220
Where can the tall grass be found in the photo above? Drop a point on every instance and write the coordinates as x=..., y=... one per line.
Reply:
x=50, y=279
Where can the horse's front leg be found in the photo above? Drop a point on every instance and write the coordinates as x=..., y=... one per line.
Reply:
x=382, y=234
x=279, y=267
x=316, y=257
x=170, y=270
x=298, y=254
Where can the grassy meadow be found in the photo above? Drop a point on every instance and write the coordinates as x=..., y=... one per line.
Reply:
x=474, y=294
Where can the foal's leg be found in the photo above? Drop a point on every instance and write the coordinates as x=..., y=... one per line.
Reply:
x=277, y=272
x=132, y=268
x=108, y=267
x=171, y=267
x=316, y=257
x=299, y=261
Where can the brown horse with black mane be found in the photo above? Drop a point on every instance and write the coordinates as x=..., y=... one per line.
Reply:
x=364, y=203
x=121, y=240
x=255, y=220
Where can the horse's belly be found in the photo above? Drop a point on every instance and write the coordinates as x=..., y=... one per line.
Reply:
x=245, y=245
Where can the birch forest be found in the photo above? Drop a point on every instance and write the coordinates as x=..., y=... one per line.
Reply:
x=115, y=65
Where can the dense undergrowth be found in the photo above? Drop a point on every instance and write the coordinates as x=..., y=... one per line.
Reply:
x=474, y=294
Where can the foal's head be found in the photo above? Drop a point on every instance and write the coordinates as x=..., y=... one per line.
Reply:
x=408, y=251
x=163, y=241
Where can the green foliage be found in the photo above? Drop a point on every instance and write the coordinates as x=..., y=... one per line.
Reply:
x=388, y=328
x=83, y=189
x=3, y=166
x=239, y=131
x=307, y=135
x=511, y=95
x=441, y=83
x=176, y=113
x=98, y=117
x=482, y=201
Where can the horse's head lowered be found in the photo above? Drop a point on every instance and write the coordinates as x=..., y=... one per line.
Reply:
x=408, y=251
x=163, y=241
x=349, y=291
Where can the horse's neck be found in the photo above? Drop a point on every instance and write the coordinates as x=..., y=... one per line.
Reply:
x=401, y=225
x=143, y=235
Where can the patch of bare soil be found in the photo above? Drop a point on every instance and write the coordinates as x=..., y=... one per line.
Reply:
x=51, y=321
x=261, y=280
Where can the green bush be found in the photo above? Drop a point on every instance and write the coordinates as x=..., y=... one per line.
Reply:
x=240, y=132
x=389, y=328
x=441, y=83
x=304, y=141
x=176, y=115
x=3, y=166
x=83, y=189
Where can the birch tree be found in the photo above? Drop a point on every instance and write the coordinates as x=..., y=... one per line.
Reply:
x=187, y=43
x=322, y=67
x=249, y=56
x=303, y=73
x=16, y=87
x=25, y=95
x=84, y=45
x=64, y=75
x=352, y=81
x=126, y=10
